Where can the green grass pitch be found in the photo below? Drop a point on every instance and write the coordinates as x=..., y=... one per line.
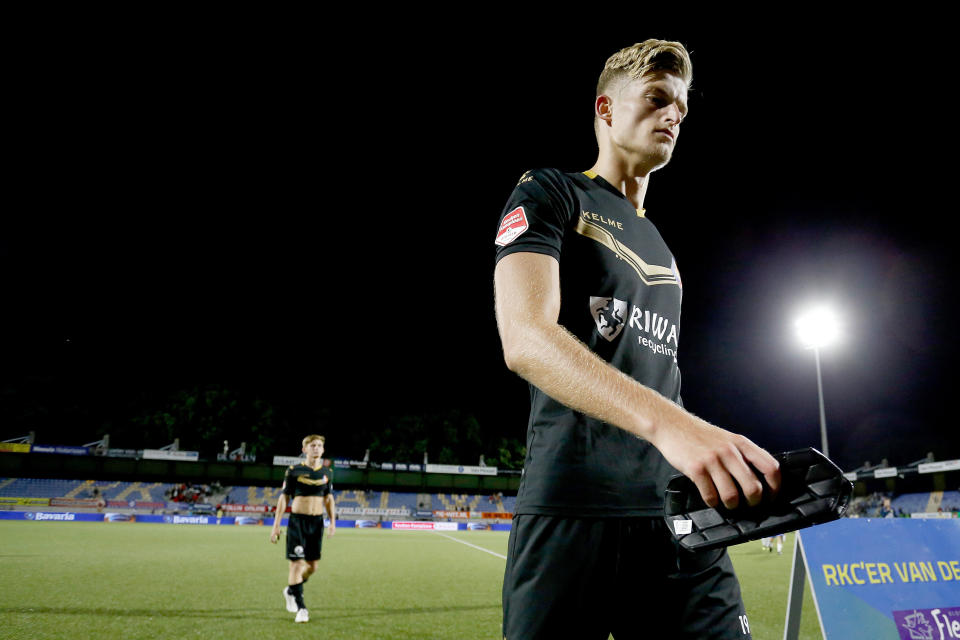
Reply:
x=122, y=580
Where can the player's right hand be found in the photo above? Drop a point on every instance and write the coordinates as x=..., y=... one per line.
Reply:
x=274, y=536
x=717, y=461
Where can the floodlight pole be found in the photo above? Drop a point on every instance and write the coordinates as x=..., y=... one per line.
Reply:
x=823, y=414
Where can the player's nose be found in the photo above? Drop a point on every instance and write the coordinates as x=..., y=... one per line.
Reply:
x=674, y=116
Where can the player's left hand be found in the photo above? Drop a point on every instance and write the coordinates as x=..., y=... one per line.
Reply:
x=332, y=529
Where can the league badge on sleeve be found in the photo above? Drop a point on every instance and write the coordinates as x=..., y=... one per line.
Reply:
x=513, y=225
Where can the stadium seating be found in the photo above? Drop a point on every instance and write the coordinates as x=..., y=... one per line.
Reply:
x=37, y=487
x=951, y=501
x=253, y=495
x=132, y=493
x=910, y=503
x=397, y=500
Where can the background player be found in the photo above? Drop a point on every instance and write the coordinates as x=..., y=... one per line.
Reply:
x=311, y=490
x=768, y=542
x=595, y=334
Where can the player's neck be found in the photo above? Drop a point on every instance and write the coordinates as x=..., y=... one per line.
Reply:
x=632, y=181
x=313, y=463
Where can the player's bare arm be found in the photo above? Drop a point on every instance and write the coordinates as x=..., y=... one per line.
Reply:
x=545, y=354
x=332, y=513
x=278, y=516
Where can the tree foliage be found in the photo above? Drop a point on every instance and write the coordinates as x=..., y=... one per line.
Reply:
x=202, y=417
x=447, y=437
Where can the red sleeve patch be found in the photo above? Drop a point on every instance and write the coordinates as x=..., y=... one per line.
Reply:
x=513, y=225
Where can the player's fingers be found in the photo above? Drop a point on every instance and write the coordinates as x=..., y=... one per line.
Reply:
x=743, y=475
x=726, y=486
x=765, y=463
x=706, y=488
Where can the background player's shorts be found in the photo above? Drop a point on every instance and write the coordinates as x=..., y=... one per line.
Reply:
x=304, y=537
x=585, y=578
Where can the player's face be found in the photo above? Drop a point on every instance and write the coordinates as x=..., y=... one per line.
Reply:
x=314, y=449
x=646, y=117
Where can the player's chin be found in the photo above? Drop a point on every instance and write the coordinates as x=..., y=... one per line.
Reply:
x=660, y=155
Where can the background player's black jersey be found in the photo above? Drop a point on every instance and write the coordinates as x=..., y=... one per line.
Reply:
x=620, y=295
x=301, y=480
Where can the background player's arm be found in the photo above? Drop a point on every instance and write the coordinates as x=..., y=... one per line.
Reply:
x=278, y=516
x=545, y=354
x=331, y=511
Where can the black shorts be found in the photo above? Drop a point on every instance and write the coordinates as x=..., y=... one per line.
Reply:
x=586, y=578
x=304, y=537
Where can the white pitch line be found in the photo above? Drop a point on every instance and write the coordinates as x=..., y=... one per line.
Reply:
x=493, y=553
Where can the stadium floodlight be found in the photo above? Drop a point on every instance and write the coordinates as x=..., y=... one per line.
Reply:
x=819, y=327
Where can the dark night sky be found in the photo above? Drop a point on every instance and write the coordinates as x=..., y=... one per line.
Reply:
x=316, y=221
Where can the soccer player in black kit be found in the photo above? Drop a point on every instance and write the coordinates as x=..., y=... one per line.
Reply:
x=588, y=309
x=310, y=490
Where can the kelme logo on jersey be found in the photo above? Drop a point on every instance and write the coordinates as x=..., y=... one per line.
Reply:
x=513, y=225
x=609, y=314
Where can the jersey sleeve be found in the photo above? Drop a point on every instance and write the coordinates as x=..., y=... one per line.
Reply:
x=536, y=216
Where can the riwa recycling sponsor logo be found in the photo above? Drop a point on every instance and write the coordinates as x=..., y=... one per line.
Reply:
x=653, y=331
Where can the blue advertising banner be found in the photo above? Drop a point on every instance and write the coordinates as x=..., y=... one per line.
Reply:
x=895, y=578
x=46, y=516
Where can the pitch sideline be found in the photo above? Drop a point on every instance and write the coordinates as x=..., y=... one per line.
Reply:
x=493, y=553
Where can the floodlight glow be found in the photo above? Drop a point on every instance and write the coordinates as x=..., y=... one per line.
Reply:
x=818, y=328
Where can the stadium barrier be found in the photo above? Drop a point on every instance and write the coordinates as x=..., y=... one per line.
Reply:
x=460, y=515
x=67, y=516
x=473, y=515
x=443, y=526
x=247, y=508
x=76, y=503
x=418, y=525
x=401, y=512
x=25, y=502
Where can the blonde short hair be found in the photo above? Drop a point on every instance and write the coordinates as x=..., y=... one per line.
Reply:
x=311, y=438
x=646, y=58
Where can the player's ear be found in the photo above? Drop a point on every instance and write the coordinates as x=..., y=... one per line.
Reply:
x=603, y=108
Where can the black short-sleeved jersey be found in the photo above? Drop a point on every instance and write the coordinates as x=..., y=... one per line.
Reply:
x=620, y=295
x=301, y=480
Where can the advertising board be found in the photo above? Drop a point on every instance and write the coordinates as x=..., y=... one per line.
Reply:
x=893, y=578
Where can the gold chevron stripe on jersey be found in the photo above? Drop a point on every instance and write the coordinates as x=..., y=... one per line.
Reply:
x=650, y=274
x=310, y=481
